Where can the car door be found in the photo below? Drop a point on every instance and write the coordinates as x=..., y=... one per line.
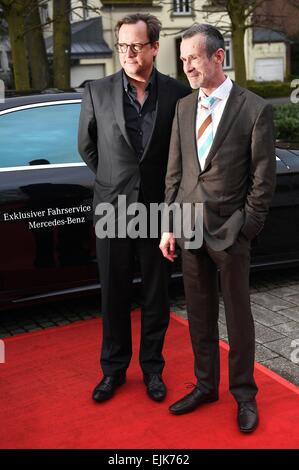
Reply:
x=277, y=242
x=46, y=231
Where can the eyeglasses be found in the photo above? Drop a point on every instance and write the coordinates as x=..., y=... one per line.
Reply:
x=135, y=47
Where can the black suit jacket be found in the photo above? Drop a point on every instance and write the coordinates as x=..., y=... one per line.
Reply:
x=105, y=146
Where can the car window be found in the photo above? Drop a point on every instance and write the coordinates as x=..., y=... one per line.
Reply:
x=39, y=136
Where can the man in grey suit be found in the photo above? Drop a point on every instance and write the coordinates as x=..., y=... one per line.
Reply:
x=124, y=135
x=222, y=155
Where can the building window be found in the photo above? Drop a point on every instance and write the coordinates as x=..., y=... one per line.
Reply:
x=182, y=7
x=228, y=63
x=85, y=9
x=47, y=134
x=44, y=12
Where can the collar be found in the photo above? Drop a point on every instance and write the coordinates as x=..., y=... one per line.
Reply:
x=222, y=92
x=150, y=83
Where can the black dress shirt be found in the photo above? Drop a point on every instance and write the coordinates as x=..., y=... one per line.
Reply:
x=140, y=118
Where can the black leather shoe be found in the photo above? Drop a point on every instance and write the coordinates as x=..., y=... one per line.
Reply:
x=247, y=416
x=106, y=388
x=156, y=389
x=191, y=401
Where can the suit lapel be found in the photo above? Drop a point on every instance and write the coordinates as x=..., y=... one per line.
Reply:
x=117, y=95
x=191, y=128
x=230, y=112
x=161, y=108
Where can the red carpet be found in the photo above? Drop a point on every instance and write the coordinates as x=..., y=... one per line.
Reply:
x=48, y=377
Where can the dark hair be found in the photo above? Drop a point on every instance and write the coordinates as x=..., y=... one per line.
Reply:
x=153, y=24
x=214, y=39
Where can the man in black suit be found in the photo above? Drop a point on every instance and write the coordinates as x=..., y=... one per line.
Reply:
x=124, y=136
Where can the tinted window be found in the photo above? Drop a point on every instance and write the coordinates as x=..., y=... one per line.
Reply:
x=41, y=135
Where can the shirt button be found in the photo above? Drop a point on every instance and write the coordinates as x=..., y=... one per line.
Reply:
x=140, y=132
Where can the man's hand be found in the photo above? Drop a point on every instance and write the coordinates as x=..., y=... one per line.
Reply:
x=167, y=246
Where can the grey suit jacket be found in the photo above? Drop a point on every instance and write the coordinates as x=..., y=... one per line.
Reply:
x=105, y=146
x=238, y=180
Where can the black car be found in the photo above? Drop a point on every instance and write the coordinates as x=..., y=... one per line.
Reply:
x=47, y=237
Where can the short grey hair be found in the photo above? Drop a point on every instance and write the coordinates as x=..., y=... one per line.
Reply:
x=214, y=39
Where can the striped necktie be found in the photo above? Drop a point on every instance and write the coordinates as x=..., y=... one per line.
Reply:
x=205, y=129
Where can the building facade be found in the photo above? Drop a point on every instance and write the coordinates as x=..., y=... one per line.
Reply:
x=265, y=55
x=93, y=54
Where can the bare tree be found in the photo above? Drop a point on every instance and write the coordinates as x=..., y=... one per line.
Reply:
x=37, y=55
x=27, y=41
x=61, y=43
x=13, y=12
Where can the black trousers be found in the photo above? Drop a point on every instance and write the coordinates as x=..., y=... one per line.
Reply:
x=116, y=265
x=201, y=289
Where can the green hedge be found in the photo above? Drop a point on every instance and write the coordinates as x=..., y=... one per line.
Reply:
x=286, y=116
x=286, y=120
x=270, y=89
x=264, y=89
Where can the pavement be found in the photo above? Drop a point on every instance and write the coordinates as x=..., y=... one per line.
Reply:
x=275, y=307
